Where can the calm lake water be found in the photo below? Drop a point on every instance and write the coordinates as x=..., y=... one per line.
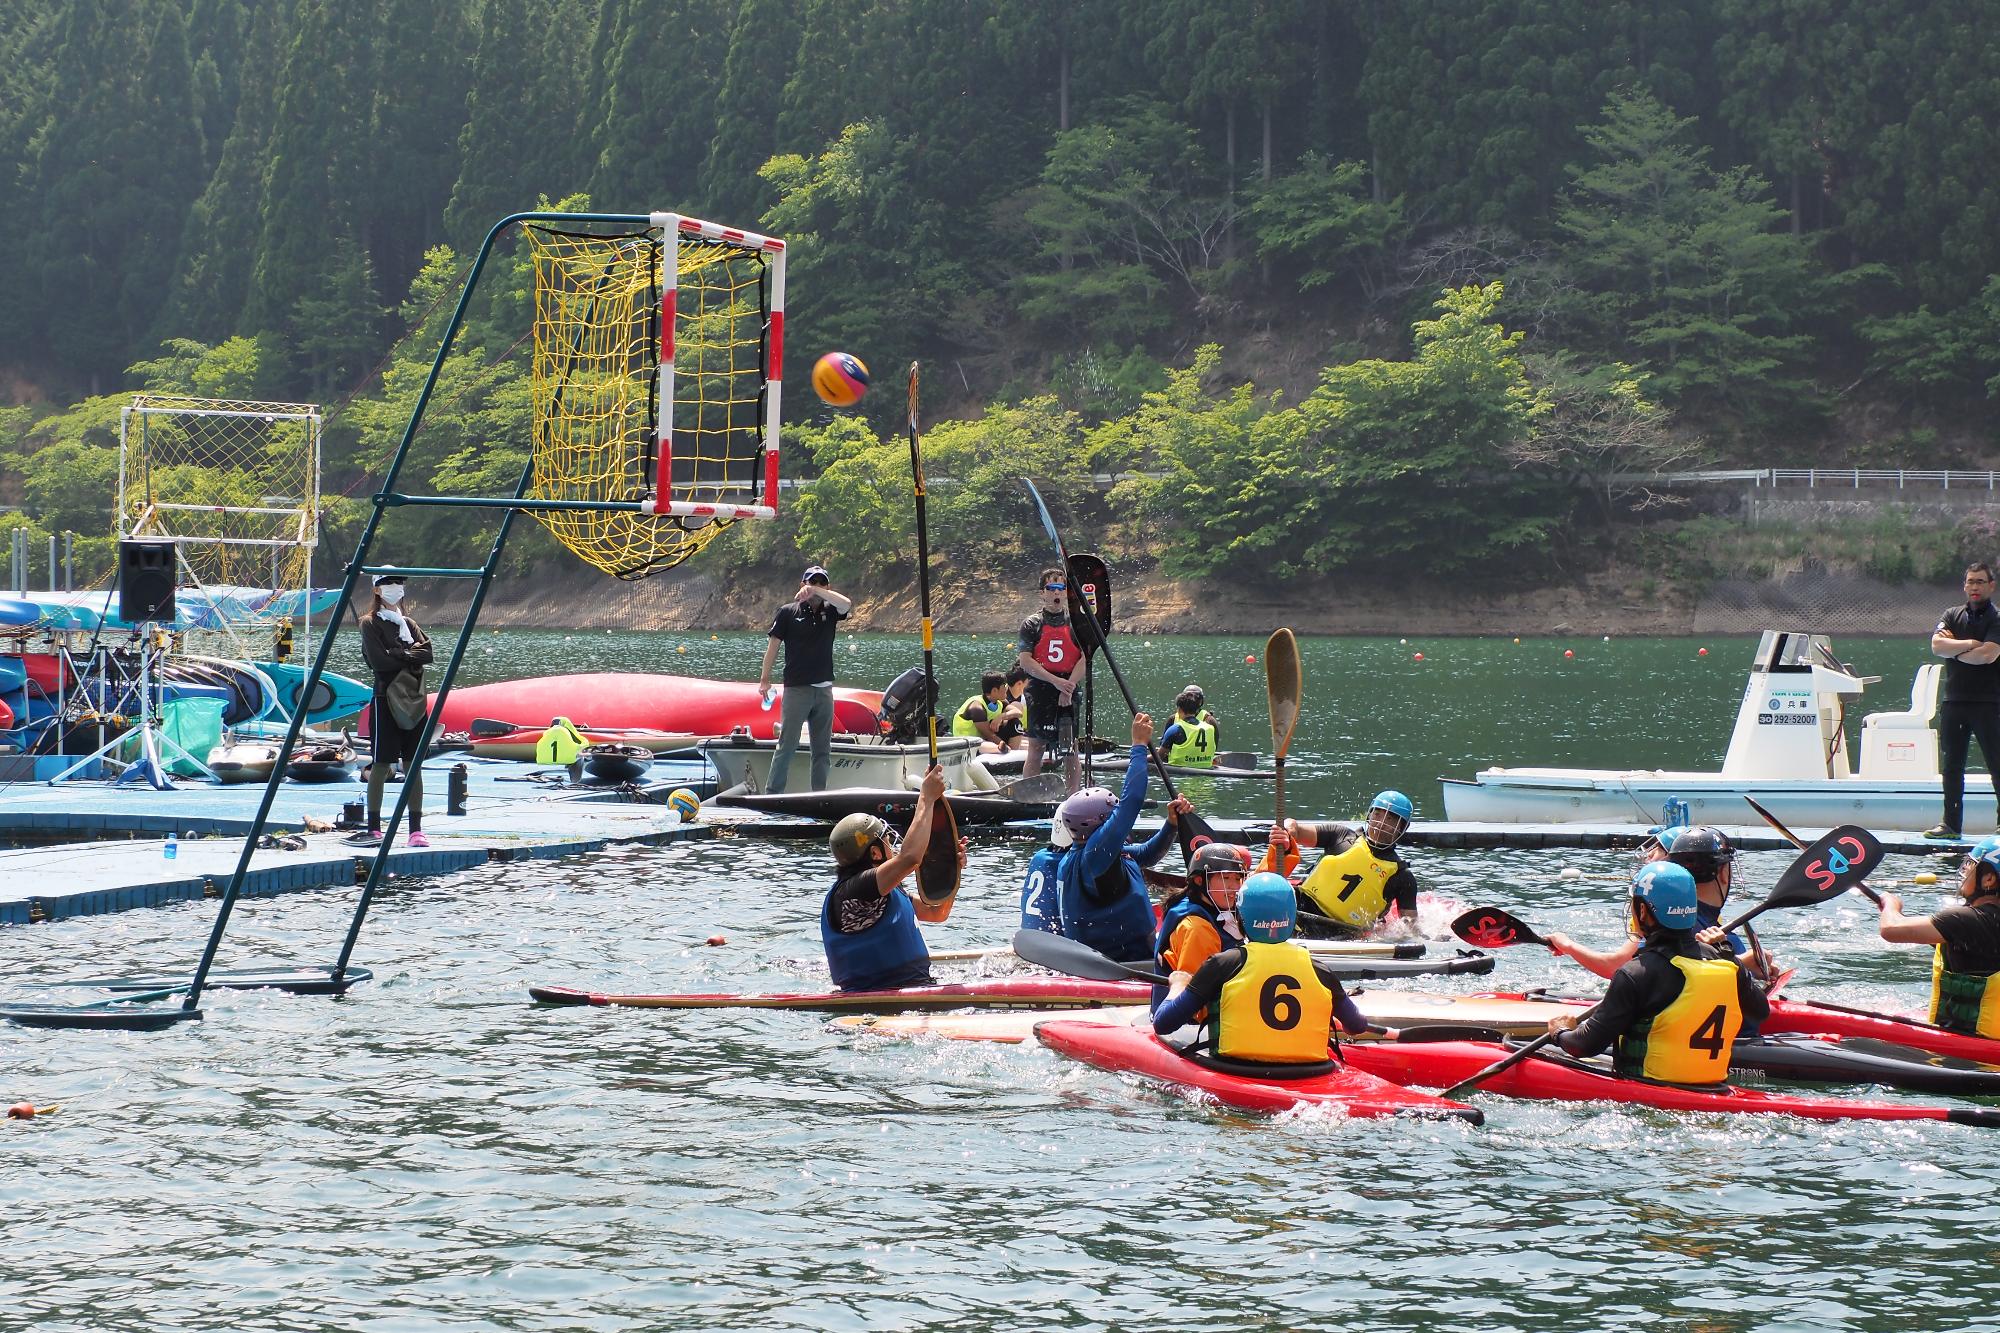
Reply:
x=436, y=1152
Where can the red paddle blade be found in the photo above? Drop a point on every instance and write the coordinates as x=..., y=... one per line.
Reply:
x=1493, y=928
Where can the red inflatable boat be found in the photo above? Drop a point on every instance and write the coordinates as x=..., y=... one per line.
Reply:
x=688, y=704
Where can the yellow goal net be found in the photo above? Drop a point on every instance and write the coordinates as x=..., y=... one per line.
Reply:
x=657, y=368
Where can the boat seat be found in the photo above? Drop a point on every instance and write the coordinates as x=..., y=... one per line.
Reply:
x=1902, y=744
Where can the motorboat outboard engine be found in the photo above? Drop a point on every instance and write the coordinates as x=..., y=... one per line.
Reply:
x=905, y=705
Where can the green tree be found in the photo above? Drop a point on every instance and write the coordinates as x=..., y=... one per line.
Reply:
x=524, y=79
x=661, y=107
x=763, y=41
x=1690, y=266
x=1323, y=221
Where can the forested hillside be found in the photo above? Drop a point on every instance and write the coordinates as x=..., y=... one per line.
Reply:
x=1338, y=275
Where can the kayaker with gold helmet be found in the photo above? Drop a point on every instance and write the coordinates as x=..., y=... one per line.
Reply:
x=1267, y=1002
x=1965, y=937
x=1675, y=1010
x=867, y=923
x=1361, y=878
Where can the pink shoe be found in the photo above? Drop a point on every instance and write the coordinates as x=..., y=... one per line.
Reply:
x=418, y=839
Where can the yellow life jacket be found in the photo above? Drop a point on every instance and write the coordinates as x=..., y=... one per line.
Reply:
x=1689, y=1041
x=1196, y=747
x=560, y=744
x=1964, y=1001
x=1349, y=886
x=960, y=726
x=1275, y=1010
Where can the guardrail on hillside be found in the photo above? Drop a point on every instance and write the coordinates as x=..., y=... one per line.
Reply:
x=1823, y=478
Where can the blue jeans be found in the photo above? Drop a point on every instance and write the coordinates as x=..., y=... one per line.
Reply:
x=810, y=705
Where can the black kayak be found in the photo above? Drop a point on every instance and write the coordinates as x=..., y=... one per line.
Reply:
x=1374, y=969
x=894, y=806
x=1810, y=1059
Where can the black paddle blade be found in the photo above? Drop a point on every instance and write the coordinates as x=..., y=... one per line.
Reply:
x=1090, y=596
x=1494, y=928
x=937, y=873
x=487, y=726
x=1058, y=953
x=1830, y=867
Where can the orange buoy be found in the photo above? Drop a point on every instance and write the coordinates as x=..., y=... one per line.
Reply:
x=1569, y=652
x=715, y=940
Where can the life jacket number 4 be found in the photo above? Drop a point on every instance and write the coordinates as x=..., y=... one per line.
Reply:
x=1689, y=1041
x=1275, y=1010
x=1196, y=748
x=1964, y=1001
x=1349, y=886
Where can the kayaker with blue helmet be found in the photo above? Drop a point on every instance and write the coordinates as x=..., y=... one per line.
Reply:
x=1965, y=964
x=1267, y=1002
x=867, y=923
x=1709, y=856
x=1100, y=895
x=1201, y=921
x=1361, y=878
x=1675, y=1010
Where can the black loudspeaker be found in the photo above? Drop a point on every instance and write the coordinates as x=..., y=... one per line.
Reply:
x=145, y=580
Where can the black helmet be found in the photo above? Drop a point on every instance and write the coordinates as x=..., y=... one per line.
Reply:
x=1223, y=858
x=1702, y=852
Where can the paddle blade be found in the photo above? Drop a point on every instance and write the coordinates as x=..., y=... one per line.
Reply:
x=1494, y=928
x=1090, y=596
x=486, y=726
x=1283, y=685
x=1059, y=953
x=937, y=873
x=1194, y=834
x=1048, y=520
x=1830, y=867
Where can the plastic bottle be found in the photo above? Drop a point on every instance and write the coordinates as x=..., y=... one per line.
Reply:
x=765, y=699
x=173, y=847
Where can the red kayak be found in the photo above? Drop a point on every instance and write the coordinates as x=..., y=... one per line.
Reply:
x=1558, y=1078
x=690, y=704
x=1041, y=992
x=1127, y=1050
x=1832, y=1020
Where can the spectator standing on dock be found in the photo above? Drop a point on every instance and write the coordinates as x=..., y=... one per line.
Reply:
x=1968, y=638
x=806, y=626
x=397, y=651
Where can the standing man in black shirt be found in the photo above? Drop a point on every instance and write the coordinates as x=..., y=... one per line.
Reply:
x=806, y=625
x=1968, y=638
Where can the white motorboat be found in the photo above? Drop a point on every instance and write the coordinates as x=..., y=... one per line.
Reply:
x=740, y=760
x=1789, y=751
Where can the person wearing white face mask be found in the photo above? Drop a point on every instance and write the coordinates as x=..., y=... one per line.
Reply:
x=397, y=652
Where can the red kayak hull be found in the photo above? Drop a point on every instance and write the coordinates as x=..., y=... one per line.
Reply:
x=690, y=704
x=1127, y=1050
x=1443, y=1063
x=1041, y=992
x=1805, y=1016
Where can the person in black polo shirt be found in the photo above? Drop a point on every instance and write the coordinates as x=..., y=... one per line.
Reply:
x=806, y=625
x=1968, y=638
x=1966, y=964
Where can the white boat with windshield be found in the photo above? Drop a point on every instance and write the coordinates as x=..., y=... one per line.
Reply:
x=1789, y=750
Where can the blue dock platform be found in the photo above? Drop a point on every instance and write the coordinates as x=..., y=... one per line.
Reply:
x=84, y=849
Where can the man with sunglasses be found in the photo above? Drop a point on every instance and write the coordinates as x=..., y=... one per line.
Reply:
x=1052, y=655
x=1965, y=967
x=1968, y=639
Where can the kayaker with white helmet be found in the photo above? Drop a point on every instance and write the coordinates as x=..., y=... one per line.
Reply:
x=1965, y=967
x=1361, y=877
x=1675, y=1010
x=1267, y=1002
x=1100, y=895
x=867, y=923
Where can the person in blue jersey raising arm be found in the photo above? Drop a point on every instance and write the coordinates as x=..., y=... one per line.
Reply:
x=1267, y=1003
x=1100, y=894
x=868, y=923
x=1675, y=1010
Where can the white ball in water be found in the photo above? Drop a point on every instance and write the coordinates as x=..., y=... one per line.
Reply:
x=1570, y=872
x=1404, y=642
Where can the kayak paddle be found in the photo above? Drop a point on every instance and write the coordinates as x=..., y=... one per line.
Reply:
x=1796, y=841
x=1503, y=1065
x=1282, y=688
x=1059, y=953
x=1494, y=928
x=1830, y=867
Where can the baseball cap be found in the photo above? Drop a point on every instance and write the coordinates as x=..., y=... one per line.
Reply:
x=813, y=572
x=389, y=576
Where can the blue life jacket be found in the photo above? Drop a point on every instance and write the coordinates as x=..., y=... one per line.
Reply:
x=1039, y=910
x=1184, y=907
x=1119, y=926
x=888, y=954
